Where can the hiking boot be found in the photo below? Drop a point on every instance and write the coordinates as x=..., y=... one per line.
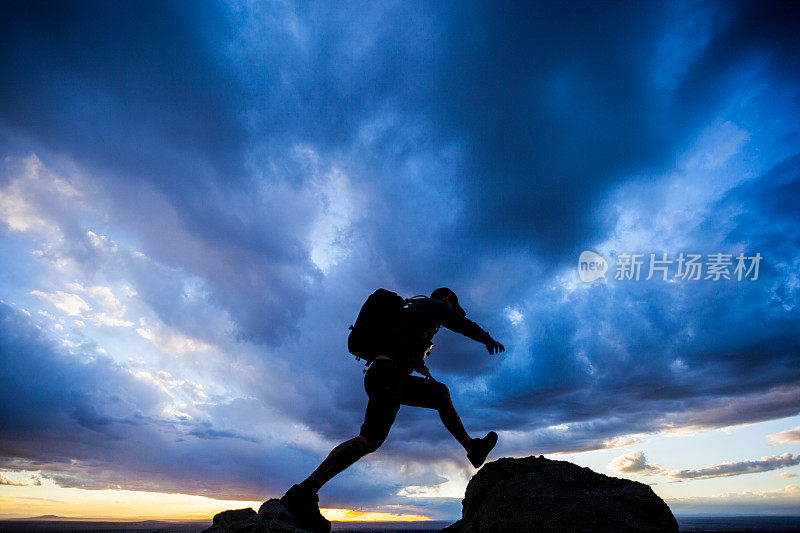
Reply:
x=302, y=505
x=480, y=448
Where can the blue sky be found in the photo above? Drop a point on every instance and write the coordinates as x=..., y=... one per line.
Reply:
x=195, y=201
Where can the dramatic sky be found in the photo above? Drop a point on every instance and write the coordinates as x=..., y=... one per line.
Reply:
x=195, y=199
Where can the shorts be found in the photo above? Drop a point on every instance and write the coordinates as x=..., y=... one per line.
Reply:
x=390, y=385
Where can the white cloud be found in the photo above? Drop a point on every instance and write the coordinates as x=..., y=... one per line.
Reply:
x=514, y=315
x=30, y=186
x=635, y=463
x=19, y=479
x=19, y=215
x=449, y=480
x=329, y=237
x=765, y=464
x=186, y=396
x=6, y=481
x=168, y=340
x=791, y=436
x=71, y=304
x=101, y=241
x=718, y=145
x=103, y=319
x=112, y=311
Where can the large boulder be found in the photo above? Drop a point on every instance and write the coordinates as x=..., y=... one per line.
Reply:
x=271, y=518
x=535, y=494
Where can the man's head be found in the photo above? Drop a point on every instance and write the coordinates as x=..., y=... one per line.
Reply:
x=449, y=297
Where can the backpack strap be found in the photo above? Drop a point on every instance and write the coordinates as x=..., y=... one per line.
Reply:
x=413, y=299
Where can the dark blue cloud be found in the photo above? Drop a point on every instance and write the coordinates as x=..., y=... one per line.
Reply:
x=484, y=146
x=88, y=422
x=145, y=94
x=122, y=86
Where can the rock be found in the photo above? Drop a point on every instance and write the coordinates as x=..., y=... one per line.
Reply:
x=270, y=518
x=234, y=515
x=535, y=494
x=273, y=513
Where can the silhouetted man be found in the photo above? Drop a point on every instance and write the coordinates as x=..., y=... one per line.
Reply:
x=389, y=384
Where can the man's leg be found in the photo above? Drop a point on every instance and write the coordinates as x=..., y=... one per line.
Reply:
x=450, y=419
x=350, y=451
x=432, y=394
x=301, y=500
x=338, y=460
x=381, y=384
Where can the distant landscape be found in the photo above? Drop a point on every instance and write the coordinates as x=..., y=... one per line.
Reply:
x=728, y=524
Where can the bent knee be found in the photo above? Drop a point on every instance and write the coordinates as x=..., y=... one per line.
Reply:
x=371, y=446
x=371, y=442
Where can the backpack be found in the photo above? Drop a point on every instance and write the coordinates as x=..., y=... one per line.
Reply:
x=371, y=335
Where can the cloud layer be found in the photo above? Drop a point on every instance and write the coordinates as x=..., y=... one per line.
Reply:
x=635, y=463
x=195, y=202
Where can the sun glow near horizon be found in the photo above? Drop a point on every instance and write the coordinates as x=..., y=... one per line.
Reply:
x=351, y=515
x=26, y=501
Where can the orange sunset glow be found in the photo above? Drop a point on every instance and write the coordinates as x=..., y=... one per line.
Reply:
x=17, y=501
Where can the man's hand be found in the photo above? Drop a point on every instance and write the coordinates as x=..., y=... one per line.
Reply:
x=494, y=347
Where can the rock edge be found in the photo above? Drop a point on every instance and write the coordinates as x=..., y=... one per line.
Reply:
x=271, y=517
x=542, y=495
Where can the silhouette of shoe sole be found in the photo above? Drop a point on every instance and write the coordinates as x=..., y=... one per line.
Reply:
x=302, y=505
x=481, y=448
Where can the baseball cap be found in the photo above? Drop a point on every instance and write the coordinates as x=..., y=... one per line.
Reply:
x=441, y=292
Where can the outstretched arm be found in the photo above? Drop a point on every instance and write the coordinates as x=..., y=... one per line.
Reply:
x=449, y=318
